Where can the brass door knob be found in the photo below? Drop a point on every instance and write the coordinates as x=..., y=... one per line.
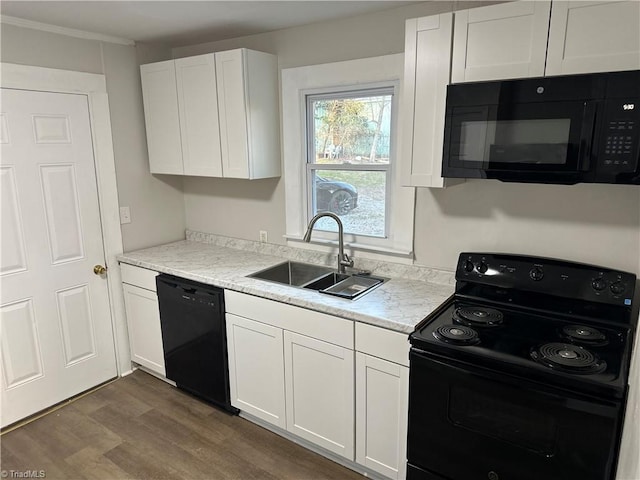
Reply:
x=99, y=270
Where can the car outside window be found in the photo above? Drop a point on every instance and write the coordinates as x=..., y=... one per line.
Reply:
x=349, y=159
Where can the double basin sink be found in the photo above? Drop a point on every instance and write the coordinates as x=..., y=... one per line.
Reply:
x=320, y=278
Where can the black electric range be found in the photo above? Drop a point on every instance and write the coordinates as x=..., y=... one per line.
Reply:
x=526, y=365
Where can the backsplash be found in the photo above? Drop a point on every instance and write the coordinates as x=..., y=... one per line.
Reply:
x=377, y=267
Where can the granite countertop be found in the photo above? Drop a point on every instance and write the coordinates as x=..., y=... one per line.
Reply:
x=398, y=304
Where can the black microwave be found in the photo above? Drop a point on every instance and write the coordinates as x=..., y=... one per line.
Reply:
x=566, y=129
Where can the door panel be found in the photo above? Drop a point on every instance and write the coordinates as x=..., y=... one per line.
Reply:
x=232, y=106
x=12, y=253
x=55, y=317
x=76, y=323
x=382, y=390
x=500, y=41
x=161, y=117
x=21, y=357
x=51, y=128
x=256, y=369
x=320, y=392
x=145, y=333
x=63, y=217
x=591, y=36
x=198, y=108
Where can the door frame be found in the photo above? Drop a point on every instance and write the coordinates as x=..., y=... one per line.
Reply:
x=94, y=86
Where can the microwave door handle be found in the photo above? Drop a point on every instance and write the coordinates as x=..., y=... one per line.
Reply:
x=587, y=136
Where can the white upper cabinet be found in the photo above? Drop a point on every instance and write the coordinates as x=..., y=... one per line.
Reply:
x=593, y=36
x=213, y=115
x=198, y=113
x=249, y=113
x=161, y=117
x=500, y=41
x=426, y=76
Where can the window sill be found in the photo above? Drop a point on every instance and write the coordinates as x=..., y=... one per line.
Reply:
x=370, y=251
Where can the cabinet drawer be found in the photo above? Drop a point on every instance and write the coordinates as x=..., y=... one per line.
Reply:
x=138, y=276
x=383, y=343
x=338, y=331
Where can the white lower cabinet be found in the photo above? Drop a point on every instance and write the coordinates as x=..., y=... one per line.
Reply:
x=382, y=399
x=299, y=370
x=381, y=415
x=256, y=369
x=319, y=390
x=143, y=317
x=293, y=368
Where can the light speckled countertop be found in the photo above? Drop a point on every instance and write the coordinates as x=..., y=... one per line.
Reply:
x=399, y=304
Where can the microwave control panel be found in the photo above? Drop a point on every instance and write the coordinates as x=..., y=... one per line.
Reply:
x=620, y=141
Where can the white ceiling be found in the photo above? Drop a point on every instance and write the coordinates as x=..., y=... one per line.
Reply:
x=178, y=23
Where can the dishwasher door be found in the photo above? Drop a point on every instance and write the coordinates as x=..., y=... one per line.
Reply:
x=194, y=338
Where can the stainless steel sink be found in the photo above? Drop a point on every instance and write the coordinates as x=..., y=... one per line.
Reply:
x=353, y=286
x=319, y=278
x=296, y=274
x=327, y=281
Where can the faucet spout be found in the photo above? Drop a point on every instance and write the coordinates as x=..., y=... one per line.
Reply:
x=343, y=259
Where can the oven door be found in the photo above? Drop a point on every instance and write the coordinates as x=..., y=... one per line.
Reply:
x=468, y=423
x=543, y=142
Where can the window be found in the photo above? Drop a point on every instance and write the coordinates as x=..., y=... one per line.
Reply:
x=349, y=159
x=340, y=154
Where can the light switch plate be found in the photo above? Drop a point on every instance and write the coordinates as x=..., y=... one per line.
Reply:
x=125, y=215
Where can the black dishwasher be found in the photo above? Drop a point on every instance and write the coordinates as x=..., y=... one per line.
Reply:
x=194, y=338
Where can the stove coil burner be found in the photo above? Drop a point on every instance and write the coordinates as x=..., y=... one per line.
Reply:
x=585, y=335
x=457, y=335
x=478, y=316
x=568, y=358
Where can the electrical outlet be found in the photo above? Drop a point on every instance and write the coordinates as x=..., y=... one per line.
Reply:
x=263, y=236
x=125, y=215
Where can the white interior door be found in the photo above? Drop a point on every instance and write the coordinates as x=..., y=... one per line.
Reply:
x=56, y=331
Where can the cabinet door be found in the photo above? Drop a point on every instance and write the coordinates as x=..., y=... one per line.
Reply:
x=320, y=393
x=230, y=74
x=145, y=334
x=256, y=369
x=592, y=36
x=161, y=117
x=501, y=41
x=198, y=108
x=426, y=76
x=382, y=391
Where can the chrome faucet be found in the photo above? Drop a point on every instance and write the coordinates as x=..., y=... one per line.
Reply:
x=343, y=258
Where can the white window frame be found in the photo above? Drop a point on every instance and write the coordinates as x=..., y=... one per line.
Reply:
x=359, y=74
x=386, y=89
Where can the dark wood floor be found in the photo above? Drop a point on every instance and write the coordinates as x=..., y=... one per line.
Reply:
x=138, y=427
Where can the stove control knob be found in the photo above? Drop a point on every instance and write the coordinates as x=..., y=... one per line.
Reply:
x=536, y=274
x=617, y=288
x=599, y=284
x=468, y=266
x=482, y=267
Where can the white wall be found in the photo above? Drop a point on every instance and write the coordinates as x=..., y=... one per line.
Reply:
x=157, y=206
x=596, y=224
x=590, y=223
